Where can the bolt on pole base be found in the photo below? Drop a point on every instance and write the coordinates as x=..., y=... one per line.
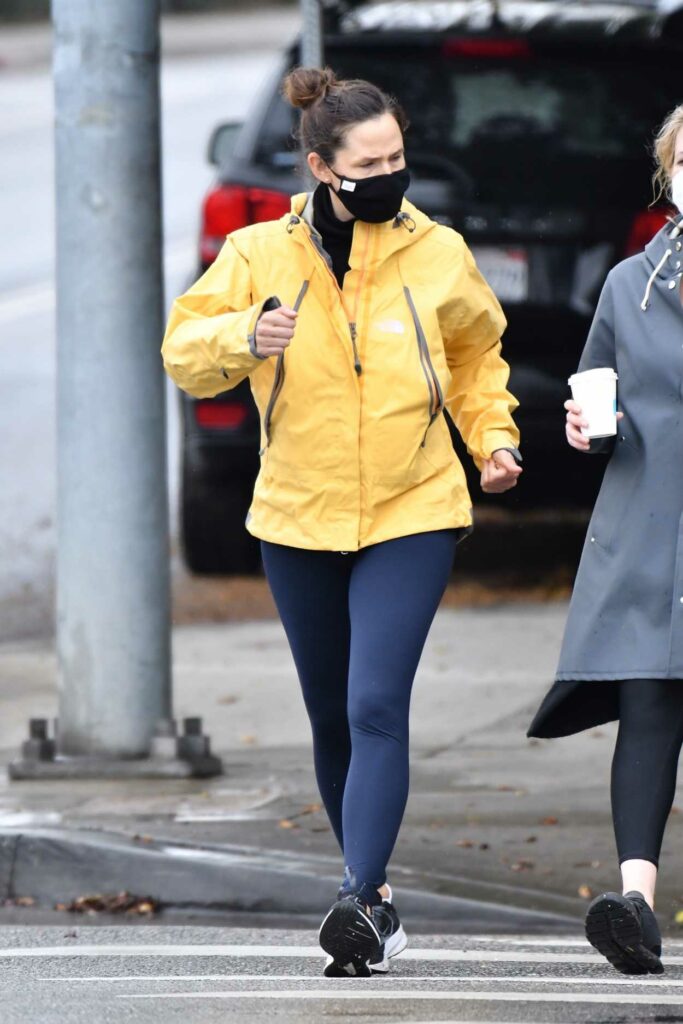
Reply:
x=171, y=756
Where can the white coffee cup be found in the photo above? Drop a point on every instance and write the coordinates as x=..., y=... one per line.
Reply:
x=595, y=391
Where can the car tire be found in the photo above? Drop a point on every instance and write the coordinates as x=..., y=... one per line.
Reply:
x=215, y=541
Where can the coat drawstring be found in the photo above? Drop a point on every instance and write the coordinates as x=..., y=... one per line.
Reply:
x=653, y=277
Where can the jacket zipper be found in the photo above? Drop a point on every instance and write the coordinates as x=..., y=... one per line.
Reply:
x=279, y=380
x=357, y=365
x=436, y=399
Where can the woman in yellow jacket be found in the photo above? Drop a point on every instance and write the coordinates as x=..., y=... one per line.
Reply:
x=358, y=320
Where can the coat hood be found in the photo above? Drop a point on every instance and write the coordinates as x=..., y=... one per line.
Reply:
x=663, y=255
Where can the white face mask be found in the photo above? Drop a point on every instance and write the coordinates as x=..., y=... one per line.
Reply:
x=677, y=190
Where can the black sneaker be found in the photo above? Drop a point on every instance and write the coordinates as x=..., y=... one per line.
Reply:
x=394, y=939
x=349, y=934
x=625, y=930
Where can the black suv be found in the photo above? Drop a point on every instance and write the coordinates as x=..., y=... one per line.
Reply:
x=530, y=129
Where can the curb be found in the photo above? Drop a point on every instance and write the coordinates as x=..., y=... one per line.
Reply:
x=55, y=865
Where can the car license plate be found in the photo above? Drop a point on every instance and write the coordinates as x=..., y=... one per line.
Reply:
x=505, y=270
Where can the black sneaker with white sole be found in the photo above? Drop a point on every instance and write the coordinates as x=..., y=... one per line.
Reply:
x=625, y=930
x=393, y=941
x=349, y=934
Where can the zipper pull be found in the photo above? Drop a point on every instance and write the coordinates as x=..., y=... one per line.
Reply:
x=357, y=365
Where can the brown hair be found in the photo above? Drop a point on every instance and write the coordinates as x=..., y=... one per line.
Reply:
x=331, y=106
x=665, y=150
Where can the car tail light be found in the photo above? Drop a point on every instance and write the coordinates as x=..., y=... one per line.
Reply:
x=220, y=415
x=229, y=207
x=645, y=225
x=502, y=49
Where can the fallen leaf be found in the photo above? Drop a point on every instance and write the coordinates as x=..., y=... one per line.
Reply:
x=466, y=844
x=675, y=810
x=19, y=901
x=550, y=820
x=321, y=828
x=311, y=809
x=585, y=892
x=678, y=918
x=248, y=740
x=287, y=823
x=484, y=846
x=228, y=700
x=110, y=903
x=143, y=839
x=523, y=864
x=531, y=839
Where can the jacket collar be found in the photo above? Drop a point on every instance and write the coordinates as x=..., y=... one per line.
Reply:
x=409, y=225
x=663, y=253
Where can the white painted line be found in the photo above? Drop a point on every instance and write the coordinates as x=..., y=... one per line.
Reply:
x=303, y=952
x=415, y=994
x=451, y=979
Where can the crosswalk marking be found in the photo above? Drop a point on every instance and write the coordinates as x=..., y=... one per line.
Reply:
x=650, y=999
x=537, y=976
x=451, y=979
x=304, y=952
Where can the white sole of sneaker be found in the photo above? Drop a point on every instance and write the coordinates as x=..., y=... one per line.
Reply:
x=395, y=945
x=350, y=937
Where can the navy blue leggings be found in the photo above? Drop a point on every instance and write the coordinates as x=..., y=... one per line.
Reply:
x=356, y=624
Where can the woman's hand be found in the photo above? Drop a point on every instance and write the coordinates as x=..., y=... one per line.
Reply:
x=576, y=420
x=275, y=330
x=500, y=472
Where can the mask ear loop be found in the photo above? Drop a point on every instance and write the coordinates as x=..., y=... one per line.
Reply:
x=330, y=184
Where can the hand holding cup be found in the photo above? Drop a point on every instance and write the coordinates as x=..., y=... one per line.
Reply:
x=576, y=424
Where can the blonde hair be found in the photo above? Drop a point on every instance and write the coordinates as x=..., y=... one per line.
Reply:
x=665, y=150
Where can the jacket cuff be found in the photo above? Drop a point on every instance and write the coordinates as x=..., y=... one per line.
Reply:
x=514, y=452
x=492, y=442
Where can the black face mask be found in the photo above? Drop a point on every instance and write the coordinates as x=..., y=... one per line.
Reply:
x=375, y=199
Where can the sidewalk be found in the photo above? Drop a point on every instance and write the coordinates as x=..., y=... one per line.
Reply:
x=493, y=818
x=25, y=47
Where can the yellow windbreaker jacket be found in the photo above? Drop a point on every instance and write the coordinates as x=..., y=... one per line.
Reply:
x=354, y=446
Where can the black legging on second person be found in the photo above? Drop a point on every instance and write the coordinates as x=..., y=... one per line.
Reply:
x=645, y=764
x=356, y=624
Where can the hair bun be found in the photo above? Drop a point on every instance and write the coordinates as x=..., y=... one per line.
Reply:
x=304, y=86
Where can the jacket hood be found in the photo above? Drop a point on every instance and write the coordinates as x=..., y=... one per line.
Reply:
x=663, y=255
x=409, y=225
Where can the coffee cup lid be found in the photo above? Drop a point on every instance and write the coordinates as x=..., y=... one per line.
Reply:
x=600, y=371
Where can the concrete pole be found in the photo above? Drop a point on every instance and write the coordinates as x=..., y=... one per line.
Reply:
x=312, y=55
x=112, y=560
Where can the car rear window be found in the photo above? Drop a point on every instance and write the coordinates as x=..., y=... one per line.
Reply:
x=561, y=129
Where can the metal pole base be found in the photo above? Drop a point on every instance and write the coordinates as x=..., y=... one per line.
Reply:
x=171, y=756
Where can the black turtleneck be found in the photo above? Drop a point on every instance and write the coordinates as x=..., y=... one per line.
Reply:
x=336, y=234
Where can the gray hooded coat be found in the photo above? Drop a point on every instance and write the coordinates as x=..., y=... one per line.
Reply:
x=626, y=614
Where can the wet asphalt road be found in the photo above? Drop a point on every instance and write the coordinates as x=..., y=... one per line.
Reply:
x=156, y=974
